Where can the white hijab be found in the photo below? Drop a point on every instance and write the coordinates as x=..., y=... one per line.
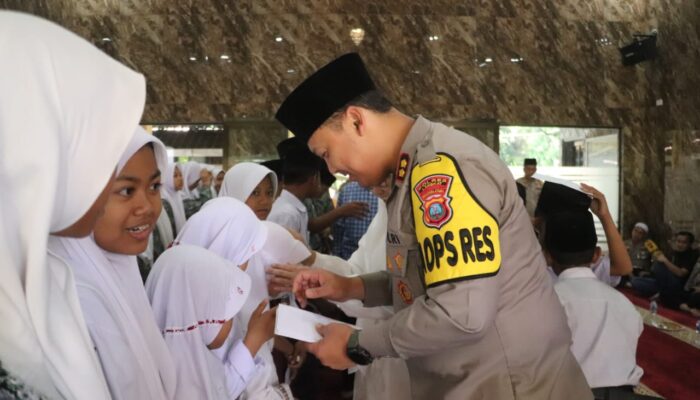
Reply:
x=70, y=116
x=135, y=360
x=241, y=179
x=193, y=292
x=169, y=193
x=190, y=173
x=228, y=228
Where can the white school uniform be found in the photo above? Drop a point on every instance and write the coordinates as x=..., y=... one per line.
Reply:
x=291, y=213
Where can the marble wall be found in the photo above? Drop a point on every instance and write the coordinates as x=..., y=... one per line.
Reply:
x=682, y=181
x=570, y=72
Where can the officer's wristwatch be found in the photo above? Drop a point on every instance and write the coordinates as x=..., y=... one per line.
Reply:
x=358, y=354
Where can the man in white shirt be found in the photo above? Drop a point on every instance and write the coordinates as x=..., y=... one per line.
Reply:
x=605, y=326
x=301, y=180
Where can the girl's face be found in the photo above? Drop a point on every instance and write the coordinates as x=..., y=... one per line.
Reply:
x=177, y=179
x=133, y=206
x=260, y=201
x=221, y=337
x=219, y=181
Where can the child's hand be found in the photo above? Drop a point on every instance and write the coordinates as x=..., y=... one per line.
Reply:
x=281, y=277
x=261, y=327
x=599, y=206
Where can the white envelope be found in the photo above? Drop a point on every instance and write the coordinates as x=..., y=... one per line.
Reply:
x=298, y=324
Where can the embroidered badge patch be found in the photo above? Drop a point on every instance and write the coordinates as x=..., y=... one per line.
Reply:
x=405, y=292
x=402, y=168
x=435, y=201
x=398, y=259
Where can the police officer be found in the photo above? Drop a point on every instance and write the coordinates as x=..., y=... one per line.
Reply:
x=476, y=315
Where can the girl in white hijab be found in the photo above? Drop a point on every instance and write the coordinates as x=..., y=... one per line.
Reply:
x=253, y=184
x=170, y=193
x=190, y=195
x=195, y=294
x=191, y=174
x=230, y=229
x=134, y=357
x=70, y=115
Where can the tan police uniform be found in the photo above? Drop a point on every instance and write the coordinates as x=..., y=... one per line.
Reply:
x=477, y=317
x=533, y=187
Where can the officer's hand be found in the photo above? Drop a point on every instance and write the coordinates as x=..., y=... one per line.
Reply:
x=357, y=209
x=331, y=350
x=280, y=277
x=318, y=283
x=599, y=206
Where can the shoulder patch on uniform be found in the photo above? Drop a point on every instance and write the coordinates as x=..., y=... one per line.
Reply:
x=458, y=237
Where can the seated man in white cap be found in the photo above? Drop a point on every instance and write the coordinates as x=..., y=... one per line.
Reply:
x=641, y=259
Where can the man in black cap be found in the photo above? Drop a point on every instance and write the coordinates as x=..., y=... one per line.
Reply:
x=300, y=177
x=532, y=186
x=303, y=176
x=605, y=325
x=476, y=315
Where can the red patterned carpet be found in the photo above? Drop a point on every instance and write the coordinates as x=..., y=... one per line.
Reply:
x=671, y=366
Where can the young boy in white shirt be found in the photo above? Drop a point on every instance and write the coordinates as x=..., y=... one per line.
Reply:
x=605, y=326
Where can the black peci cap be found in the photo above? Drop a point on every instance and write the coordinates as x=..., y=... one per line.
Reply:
x=275, y=166
x=323, y=93
x=570, y=231
x=530, y=161
x=295, y=152
x=556, y=197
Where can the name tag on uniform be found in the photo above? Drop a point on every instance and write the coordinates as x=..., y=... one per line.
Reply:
x=459, y=238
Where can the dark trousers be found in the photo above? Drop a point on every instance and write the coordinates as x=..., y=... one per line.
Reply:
x=668, y=285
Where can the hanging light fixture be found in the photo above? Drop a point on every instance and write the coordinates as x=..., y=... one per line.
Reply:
x=357, y=35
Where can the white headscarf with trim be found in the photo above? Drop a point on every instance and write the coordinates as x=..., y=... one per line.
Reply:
x=70, y=115
x=193, y=292
x=241, y=179
x=134, y=357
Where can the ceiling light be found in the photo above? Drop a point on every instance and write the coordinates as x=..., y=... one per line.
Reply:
x=106, y=39
x=291, y=71
x=279, y=39
x=193, y=58
x=488, y=59
x=357, y=35
x=225, y=57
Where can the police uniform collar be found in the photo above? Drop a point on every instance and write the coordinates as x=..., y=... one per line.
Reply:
x=419, y=134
